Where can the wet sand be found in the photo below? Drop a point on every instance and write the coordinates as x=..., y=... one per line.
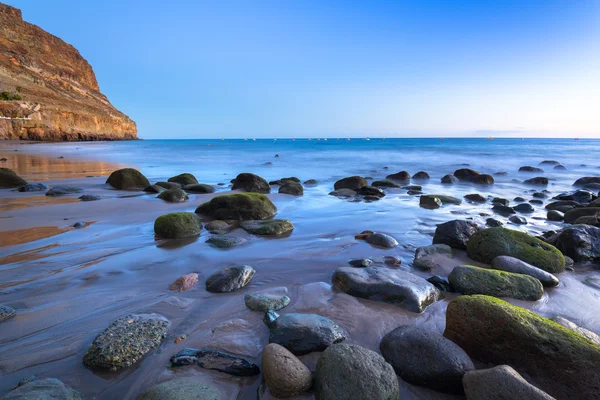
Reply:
x=68, y=284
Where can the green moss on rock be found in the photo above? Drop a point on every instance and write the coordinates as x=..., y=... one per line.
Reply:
x=573, y=215
x=184, y=179
x=238, y=206
x=489, y=243
x=9, y=179
x=268, y=227
x=177, y=225
x=128, y=179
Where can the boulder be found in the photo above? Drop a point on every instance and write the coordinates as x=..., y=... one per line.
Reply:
x=230, y=278
x=154, y=189
x=352, y=183
x=284, y=373
x=500, y=201
x=483, y=179
x=528, y=168
x=555, y=215
x=361, y=262
x=448, y=179
x=440, y=283
x=466, y=174
x=43, y=389
x=549, y=162
x=425, y=255
x=6, y=313
x=184, y=179
x=500, y=383
x=401, y=176
x=181, y=389
x=343, y=193
x=266, y=301
x=505, y=211
x=490, y=243
x=515, y=219
x=225, y=242
x=371, y=191
x=199, y=188
x=426, y=358
x=215, y=360
x=173, y=196
x=385, y=183
x=573, y=215
x=563, y=363
x=476, y=198
x=467, y=279
x=387, y=285
x=305, y=333
x=381, y=240
x=575, y=328
x=421, y=175
x=524, y=208
x=455, y=233
x=9, y=179
x=430, y=201
x=353, y=372
x=125, y=341
x=63, y=190
x=269, y=227
x=580, y=242
x=33, y=187
x=292, y=188
x=185, y=282
x=445, y=199
x=560, y=167
x=251, y=183
x=311, y=182
x=89, y=197
x=585, y=181
x=514, y=265
x=177, y=225
x=128, y=179
x=168, y=185
x=238, y=206
x=576, y=196
x=538, y=181
x=493, y=223
x=217, y=226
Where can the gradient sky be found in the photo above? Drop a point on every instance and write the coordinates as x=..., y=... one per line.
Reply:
x=254, y=68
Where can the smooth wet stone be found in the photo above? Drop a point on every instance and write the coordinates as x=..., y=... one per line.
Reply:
x=251, y=183
x=449, y=179
x=292, y=188
x=351, y=182
x=173, y=196
x=476, y=198
x=564, y=363
x=270, y=227
x=168, y=185
x=573, y=215
x=388, y=285
x=466, y=174
x=501, y=173
x=538, y=181
x=505, y=211
x=426, y=358
x=540, y=195
x=536, y=201
x=412, y=187
x=184, y=179
x=266, y=301
x=385, y=183
x=215, y=360
x=430, y=201
x=89, y=197
x=560, y=167
x=199, y=188
x=284, y=373
x=238, y=206
x=33, y=187
x=181, y=389
x=382, y=240
x=154, y=189
x=401, y=176
x=500, y=383
x=549, y=162
x=392, y=261
x=455, y=233
x=467, y=279
x=343, y=193
x=528, y=168
x=490, y=243
x=43, y=389
x=515, y=219
x=576, y=196
x=511, y=264
x=361, y=262
x=128, y=179
x=305, y=333
x=217, y=226
x=371, y=191
x=9, y=179
x=500, y=201
x=579, y=242
x=519, y=199
x=421, y=175
x=425, y=256
x=524, y=208
x=587, y=180
x=230, y=278
x=493, y=223
x=63, y=190
x=78, y=225
x=311, y=182
x=6, y=313
x=226, y=242
x=415, y=192
x=270, y=318
x=576, y=328
x=126, y=341
x=352, y=372
x=440, y=283
x=185, y=282
x=177, y=225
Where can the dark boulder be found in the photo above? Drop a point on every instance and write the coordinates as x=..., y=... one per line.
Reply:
x=251, y=183
x=184, y=179
x=238, y=206
x=351, y=182
x=401, y=176
x=230, y=278
x=580, y=242
x=215, y=360
x=455, y=233
x=128, y=179
x=9, y=179
x=305, y=333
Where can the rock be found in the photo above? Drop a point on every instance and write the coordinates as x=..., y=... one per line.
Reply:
x=199, y=188
x=168, y=185
x=217, y=226
x=466, y=174
x=154, y=189
x=511, y=264
x=540, y=195
x=125, y=341
x=515, y=219
x=185, y=282
x=173, y=196
x=181, y=389
x=500, y=201
x=311, y=182
x=539, y=180
x=371, y=191
x=251, y=183
x=448, y=179
x=78, y=225
x=385, y=183
x=352, y=183
x=32, y=187
x=230, y=278
x=89, y=197
x=576, y=196
x=501, y=173
x=424, y=256
x=580, y=242
x=270, y=227
x=440, y=283
x=177, y=225
x=505, y=211
x=9, y=179
x=238, y=206
x=392, y=261
x=353, y=372
x=549, y=162
x=429, y=201
x=426, y=358
x=401, y=176
x=483, y=179
x=225, y=242
x=285, y=374
x=412, y=187
x=361, y=262
x=500, y=383
x=455, y=233
x=292, y=188
x=215, y=360
x=270, y=318
x=62, y=190
x=562, y=206
x=6, y=313
x=184, y=179
x=266, y=301
x=128, y=179
x=536, y=201
x=43, y=389
x=560, y=167
x=572, y=215
x=344, y=193
x=523, y=208
x=421, y=175
x=415, y=192
x=382, y=240
x=530, y=169
x=585, y=181
x=467, y=279
x=518, y=199
x=393, y=286
x=490, y=243
x=493, y=331
x=475, y=198
x=305, y=333
x=493, y=223
x=575, y=328
x=447, y=199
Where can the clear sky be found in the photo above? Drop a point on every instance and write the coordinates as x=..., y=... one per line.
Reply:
x=254, y=68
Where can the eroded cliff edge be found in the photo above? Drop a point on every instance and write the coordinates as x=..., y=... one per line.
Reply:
x=48, y=91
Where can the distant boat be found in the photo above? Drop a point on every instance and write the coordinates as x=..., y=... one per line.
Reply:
x=441, y=138
x=293, y=139
x=325, y=139
x=348, y=139
x=576, y=138
x=222, y=138
x=368, y=138
x=490, y=138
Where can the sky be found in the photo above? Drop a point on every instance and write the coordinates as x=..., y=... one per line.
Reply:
x=307, y=68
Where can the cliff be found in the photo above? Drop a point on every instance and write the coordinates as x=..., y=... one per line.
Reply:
x=48, y=91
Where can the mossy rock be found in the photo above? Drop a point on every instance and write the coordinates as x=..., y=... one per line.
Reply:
x=351, y=182
x=199, y=188
x=128, y=179
x=562, y=362
x=9, y=179
x=467, y=279
x=447, y=199
x=573, y=215
x=177, y=225
x=490, y=243
x=251, y=183
x=238, y=206
x=181, y=389
x=269, y=227
x=184, y=179
x=173, y=196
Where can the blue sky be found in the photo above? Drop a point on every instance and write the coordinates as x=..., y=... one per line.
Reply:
x=186, y=69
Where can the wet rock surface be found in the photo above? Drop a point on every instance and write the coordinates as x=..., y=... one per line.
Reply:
x=128, y=179
x=269, y=227
x=181, y=389
x=230, y=278
x=580, y=242
x=173, y=196
x=177, y=225
x=382, y=240
x=43, y=389
x=305, y=333
x=226, y=242
x=9, y=179
x=455, y=233
x=251, y=183
x=514, y=265
x=239, y=206
x=266, y=301
x=33, y=187
x=285, y=374
x=63, y=190
x=216, y=360
x=6, y=313
x=500, y=383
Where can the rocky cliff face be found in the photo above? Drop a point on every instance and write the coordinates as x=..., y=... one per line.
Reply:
x=48, y=91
